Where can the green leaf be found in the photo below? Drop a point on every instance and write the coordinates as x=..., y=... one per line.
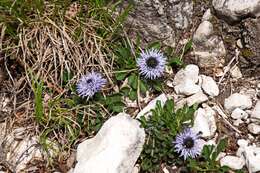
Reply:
x=70, y=102
x=120, y=76
x=207, y=150
x=226, y=169
x=124, y=53
x=176, y=61
x=138, y=43
x=133, y=81
x=143, y=87
x=169, y=105
x=155, y=45
x=113, y=99
x=157, y=86
x=239, y=171
x=133, y=95
x=118, y=107
x=121, y=18
x=188, y=46
x=192, y=163
x=125, y=91
x=221, y=145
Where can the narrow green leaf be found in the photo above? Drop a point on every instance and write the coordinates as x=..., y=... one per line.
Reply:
x=188, y=46
x=143, y=87
x=155, y=45
x=221, y=145
x=120, y=76
x=133, y=81
x=133, y=95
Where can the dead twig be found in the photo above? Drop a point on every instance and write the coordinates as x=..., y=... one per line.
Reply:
x=224, y=117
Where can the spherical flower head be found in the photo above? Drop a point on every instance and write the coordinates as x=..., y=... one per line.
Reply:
x=188, y=144
x=89, y=84
x=151, y=64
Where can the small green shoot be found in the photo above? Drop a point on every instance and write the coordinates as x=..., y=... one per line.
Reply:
x=37, y=87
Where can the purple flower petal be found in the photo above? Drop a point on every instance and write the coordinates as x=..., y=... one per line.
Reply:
x=89, y=84
x=188, y=144
x=151, y=64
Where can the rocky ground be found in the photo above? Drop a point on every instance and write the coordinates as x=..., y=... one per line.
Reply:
x=222, y=76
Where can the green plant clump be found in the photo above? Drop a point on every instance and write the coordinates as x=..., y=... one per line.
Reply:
x=208, y=161
x=161, y=129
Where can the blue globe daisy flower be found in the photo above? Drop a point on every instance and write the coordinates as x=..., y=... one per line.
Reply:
x=89, y=84
x=151, y=64
x=188, y=144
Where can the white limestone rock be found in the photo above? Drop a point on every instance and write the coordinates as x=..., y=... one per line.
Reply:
x=115, y=148
x=237, y=122
x=242, y=143
x=239, y=114
x=2, y=131
x=209, y=86
x=190, y=72
x=203, y=32
x=221, y=155
x=237, y=100
x=251, y=92
x=204, y=122
x=235, y=10
x=207, y=15
x=252, y=155
x=254, y=128
x=136, y=169
x=188, y=87
x=233, y=162
x=235, y=72
x=197, y=98
x=240, y=45
x=256, y=112
x=21, y=152
x=146, y=111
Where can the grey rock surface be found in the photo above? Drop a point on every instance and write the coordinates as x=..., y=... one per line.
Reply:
x=208, y=48
x=203, y=32
x=161, y=19
x=235, y=10
x=207, y=15
x=251, y=39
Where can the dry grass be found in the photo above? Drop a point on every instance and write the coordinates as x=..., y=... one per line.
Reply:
x=49, y=50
